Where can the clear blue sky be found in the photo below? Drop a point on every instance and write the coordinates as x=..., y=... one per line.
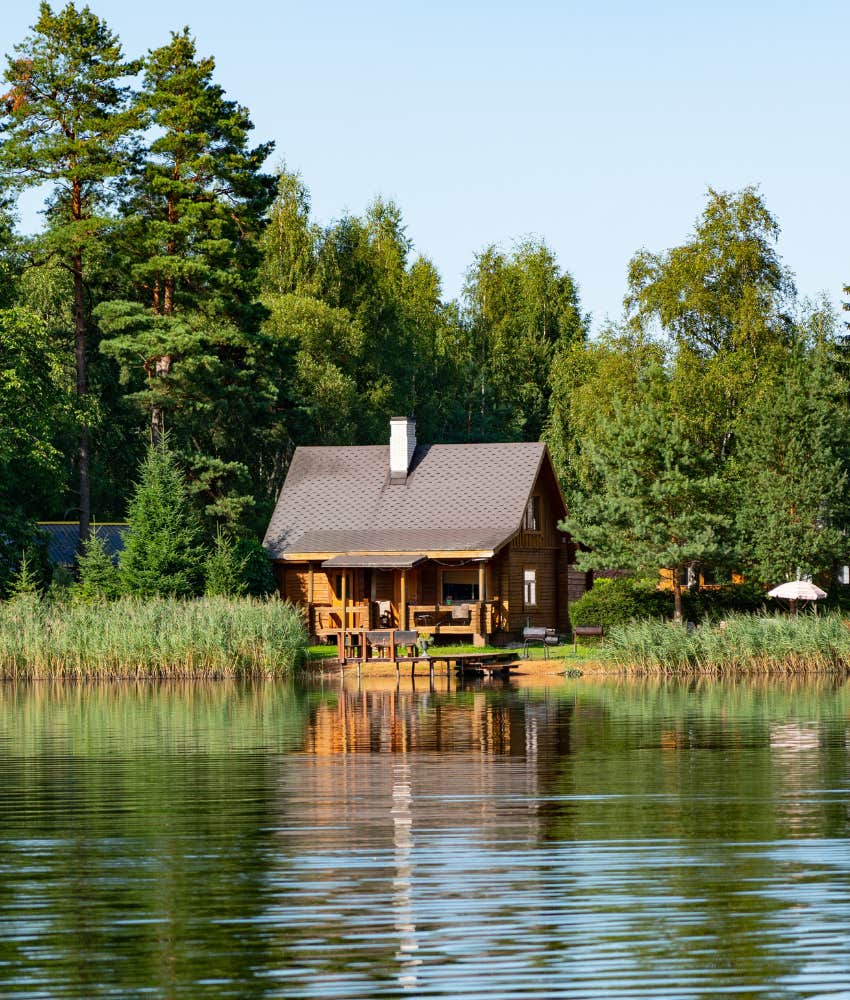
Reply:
x=595, y=125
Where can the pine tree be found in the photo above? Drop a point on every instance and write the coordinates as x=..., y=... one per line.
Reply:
x=660, y=504
x=198, y=202
x=98, y=574
x=162, y=554
x=67, y=124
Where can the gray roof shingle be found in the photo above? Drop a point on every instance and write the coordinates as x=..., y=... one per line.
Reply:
x=456, y=497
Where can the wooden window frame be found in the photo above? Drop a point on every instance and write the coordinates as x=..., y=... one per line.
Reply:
x=525, y=582
x=532, y=508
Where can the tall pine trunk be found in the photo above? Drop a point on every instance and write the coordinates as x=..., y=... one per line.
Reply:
x=677, y=595
x=83, y=455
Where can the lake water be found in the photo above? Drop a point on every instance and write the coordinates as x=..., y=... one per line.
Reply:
x=627, y=839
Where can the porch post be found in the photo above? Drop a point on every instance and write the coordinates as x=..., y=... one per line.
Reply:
x=344, y=598
x=480, y=638
x=402, y=611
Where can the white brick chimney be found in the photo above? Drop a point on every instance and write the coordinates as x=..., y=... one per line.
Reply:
x=402, y=446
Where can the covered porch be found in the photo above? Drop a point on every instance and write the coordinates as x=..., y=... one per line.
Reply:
x=409, y=592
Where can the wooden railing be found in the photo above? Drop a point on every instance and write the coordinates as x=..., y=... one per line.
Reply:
x=325, y=619
x=442, y=618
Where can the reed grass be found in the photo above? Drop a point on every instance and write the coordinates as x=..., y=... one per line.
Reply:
x=211, y=637
x=751, y=643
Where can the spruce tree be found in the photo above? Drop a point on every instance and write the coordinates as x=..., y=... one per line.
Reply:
x=162, y=554
x=67, y=124
x=224, y=568
x=25, y=584
x=98, y=574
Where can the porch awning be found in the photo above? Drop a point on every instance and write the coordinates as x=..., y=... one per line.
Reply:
x=374, y=562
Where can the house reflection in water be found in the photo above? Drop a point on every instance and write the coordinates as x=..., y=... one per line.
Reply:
x=398, y=785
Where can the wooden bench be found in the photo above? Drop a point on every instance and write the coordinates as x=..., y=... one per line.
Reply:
x=585, y=631
x=388, y=641
x=535, y=634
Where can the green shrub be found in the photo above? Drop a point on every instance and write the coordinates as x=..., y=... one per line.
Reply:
x=722, y=601
x=614, y=602
x=258, y=576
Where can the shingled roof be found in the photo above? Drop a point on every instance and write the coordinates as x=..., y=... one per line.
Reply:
x=456, y=497
x=63, y=538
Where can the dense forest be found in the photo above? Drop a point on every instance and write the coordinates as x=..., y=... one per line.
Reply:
x=179, y=290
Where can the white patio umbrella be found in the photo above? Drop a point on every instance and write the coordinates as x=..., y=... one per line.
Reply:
x=797, y=590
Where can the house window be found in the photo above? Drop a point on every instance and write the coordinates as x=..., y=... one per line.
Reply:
x=531, y=517
x=529, y=588
x=460, y=585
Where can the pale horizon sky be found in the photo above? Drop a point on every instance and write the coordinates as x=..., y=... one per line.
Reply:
x=597, y=127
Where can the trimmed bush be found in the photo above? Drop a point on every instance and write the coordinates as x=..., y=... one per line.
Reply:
x=615, y=602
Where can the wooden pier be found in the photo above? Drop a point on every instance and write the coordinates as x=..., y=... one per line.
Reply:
x=395, y=647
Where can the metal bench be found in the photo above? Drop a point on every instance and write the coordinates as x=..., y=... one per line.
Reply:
x=536, y=634
x=587, y=631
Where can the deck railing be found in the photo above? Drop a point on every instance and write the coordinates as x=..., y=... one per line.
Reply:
x=325, y=618
x=444, y=618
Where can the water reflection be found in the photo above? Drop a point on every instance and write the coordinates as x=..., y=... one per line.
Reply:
x=623, y=839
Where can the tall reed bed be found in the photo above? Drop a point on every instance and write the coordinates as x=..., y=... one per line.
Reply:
x=212, y=637
x=743, y=642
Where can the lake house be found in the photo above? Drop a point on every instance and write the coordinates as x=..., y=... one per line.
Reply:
x=456, y=540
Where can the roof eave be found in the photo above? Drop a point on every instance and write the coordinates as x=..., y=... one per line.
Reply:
x=436, y=554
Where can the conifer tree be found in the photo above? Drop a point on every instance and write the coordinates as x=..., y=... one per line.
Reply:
x=25, y=583
x=224, y=568
x=198, y=205
x=98, y=574
x=162, y=554
x=198, y=202
x=660, y=504
x=67, y=124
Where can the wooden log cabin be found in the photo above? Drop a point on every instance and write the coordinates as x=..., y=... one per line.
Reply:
x=456, y=540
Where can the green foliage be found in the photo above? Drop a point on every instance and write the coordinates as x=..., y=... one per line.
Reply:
x=257, y=571
x=722, y=300
x=99, y=578
x=34, y=403
x=67, y=126
x=660, y=503
x=792, y=471
x=718, y=602
x=25, y=584
x=151, y=638
x=161, y=555
x=615, y=602
x=224, y=568
x=522, y=311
